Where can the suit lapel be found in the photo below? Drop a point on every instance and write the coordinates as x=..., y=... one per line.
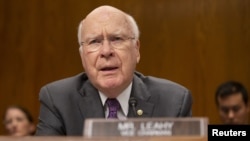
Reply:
x=90, y=103
x=141, y=94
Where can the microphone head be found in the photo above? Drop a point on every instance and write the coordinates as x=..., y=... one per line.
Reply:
x=132, y=101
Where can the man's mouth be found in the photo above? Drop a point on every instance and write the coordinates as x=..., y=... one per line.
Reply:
x=109, y=68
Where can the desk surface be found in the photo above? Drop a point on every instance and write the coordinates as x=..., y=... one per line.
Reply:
x=68, y=138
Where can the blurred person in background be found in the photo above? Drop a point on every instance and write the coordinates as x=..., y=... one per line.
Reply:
x=18, y=121
x=232, y=102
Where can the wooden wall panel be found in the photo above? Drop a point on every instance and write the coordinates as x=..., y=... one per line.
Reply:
x=197, y=43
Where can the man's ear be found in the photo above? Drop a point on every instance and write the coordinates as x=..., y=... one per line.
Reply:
x=32, y=129
x=248, y=107
x=80, y=51
x=81, y=55
x=138, y=51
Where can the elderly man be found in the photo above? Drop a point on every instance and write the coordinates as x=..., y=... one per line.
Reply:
x=110, y=87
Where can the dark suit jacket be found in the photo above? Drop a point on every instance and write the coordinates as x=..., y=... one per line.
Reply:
x=66, y=103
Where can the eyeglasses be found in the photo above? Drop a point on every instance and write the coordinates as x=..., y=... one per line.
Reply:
x=95, y=44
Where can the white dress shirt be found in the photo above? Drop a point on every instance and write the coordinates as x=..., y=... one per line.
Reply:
x=123, y=99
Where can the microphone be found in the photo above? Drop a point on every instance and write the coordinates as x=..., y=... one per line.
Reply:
x=133, y=103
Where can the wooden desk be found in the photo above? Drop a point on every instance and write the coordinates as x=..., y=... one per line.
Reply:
x=47, y=138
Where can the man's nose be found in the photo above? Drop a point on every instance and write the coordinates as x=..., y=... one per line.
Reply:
x=106, y=49
x=231, y=114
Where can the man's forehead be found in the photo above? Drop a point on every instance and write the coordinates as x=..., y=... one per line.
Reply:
x=104, y=15
x=236, y=95
x=110, y=22
x=103, y=18
x=233, y=99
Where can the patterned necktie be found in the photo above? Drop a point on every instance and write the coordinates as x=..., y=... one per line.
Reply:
x=113, y=106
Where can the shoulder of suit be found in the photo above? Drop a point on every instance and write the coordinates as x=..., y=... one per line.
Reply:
x=78, y=78
x=156, y=81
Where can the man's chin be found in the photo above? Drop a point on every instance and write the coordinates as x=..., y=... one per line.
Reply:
x=110, y=86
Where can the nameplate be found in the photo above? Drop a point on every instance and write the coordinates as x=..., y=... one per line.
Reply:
x=135, y=127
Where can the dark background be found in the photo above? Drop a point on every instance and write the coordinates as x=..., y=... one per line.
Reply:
x=197, y=43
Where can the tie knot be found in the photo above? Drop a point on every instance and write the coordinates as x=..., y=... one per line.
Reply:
x=113, y=106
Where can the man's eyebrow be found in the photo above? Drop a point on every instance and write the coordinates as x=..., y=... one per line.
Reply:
x=89, y=37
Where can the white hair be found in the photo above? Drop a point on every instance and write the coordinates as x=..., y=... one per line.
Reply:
x=134, y=26
x=131, y=21
x=79, y=32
